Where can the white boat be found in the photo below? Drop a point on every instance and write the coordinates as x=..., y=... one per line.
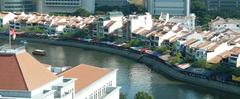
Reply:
x=39, y=52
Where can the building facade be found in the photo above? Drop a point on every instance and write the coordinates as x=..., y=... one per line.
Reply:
x=111, y=3
x=17, y=5
x=64, y=6
x=223, y=4
x=173, y=7
x=23, y=77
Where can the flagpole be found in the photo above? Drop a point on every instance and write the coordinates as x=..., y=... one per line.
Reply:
x=9, y=38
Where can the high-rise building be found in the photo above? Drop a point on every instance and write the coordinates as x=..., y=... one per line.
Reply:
x=111, y=3
x=17, y=5
x=223, y=4
x=64, y=6
x=173, y=7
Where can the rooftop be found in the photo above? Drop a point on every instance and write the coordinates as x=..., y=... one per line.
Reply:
x=20, y=71
x=85, y=75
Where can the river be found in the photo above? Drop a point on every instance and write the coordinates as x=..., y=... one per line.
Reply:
x=132, y=76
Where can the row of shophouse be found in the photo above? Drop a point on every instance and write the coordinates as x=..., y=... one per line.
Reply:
x=141, y=27
x=219, y=44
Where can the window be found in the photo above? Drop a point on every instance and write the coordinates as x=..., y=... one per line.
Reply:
x=91, y=96
x=95, y=95
x=99, y=93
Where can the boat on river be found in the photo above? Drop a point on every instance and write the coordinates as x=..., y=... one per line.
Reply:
x=39, y=52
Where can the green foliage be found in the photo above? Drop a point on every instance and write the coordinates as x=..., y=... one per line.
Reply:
x=122, y=96
x=67, y=35
x=105, y=9
x=137, y=8
x=143, y=95
x=135, y=43
x=223, y=69
x=109, y=38
x=236, y=72
x=164, y=49
x=125, y=9
x=81, y=12
x=4, y=28
x=32, y=30
x=202, y=63
x=177, y=58
x=199, y=7
x=100, y=13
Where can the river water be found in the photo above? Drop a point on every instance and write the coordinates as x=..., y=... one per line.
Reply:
x=132, y=76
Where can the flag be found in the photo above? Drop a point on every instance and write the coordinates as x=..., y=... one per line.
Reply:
x=12, y=33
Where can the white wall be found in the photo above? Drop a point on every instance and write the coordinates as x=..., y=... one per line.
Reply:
x=7, y=18
x=165, y=37
x=114, y=94
x=238, y=61
x=99, y=84
x=220, y=49
x=144, y=21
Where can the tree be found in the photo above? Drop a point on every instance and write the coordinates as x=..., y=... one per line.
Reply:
x=236, y=72
x=177, y=58
x=143, y=95
x=202, y=63
x=4, y=28
x=81, y=12
x=223, y=69
x=135, y=43
x=198, y=5
x=122, y=96
x=68, y=35
x=164, y=49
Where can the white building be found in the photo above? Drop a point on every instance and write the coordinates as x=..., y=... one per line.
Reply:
x=219, y=24
x=23, y=77
x=187, y=22
x=5, y=17
x=111, y=24
x=136, y=21
x=64, y=6
x=93, y=82
x=173, y=7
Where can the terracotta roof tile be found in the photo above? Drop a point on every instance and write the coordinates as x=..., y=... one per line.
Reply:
x=85, y=75
x=215, y=60
x=22, y=72
x=110, y=24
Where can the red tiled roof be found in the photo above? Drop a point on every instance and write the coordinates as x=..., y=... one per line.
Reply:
x=22, y=72
x=110, y=24
x=85, y=75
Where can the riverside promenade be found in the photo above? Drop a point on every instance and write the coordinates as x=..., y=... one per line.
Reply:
x=155, y=64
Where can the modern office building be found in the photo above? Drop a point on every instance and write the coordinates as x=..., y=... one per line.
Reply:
x=173, y=7
x=64, y=6
x=223, y=4
x=17, y=5
x=111, y=3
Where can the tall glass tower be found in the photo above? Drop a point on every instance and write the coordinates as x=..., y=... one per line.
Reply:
x=17, y=5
